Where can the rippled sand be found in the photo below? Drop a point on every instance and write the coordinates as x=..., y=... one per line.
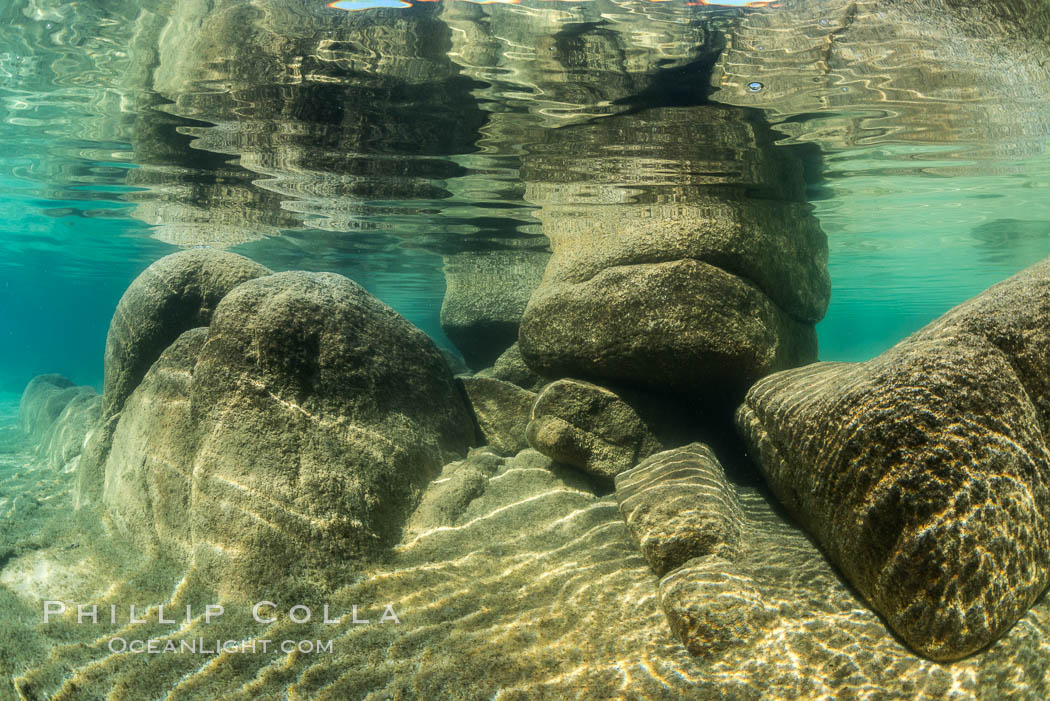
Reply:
x=535, y=591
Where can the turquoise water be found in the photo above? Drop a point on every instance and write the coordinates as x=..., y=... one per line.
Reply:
x=431, y=151
x=917, y=221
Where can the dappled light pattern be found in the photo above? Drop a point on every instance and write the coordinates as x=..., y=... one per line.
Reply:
x=532, y=590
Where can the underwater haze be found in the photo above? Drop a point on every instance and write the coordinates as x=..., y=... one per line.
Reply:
x=598, y=349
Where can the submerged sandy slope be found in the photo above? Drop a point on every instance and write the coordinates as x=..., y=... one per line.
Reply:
x=534, y=591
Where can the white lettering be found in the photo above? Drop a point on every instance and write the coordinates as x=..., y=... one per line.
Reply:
x=389, y=615
x=213, y=611
x=51, y=610
x=255, y=612
x=81, y=615
x=291, y=614
x=330, y=620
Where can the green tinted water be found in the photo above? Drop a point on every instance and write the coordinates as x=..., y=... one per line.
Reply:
x=390, y=144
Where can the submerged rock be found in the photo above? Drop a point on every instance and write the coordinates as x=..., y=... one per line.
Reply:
x=296, y=430
x=450, y=494
x=706, y=280
x=175, y=294
x=322, y=414
x=511, y=367
x=502, y=410
x=148, y=474
x=714, y=605
x=57, y=417
x=678, y=505
x=589, y=427
x=642, y=324
x=924, y=473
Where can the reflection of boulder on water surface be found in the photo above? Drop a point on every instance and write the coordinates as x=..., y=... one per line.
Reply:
x=486, y=291
x=929, y=72
x=322, y=110
x=685, y=255
x=543, y=67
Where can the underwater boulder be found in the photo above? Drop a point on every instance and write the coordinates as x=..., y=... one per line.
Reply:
x=322, y=415
x=57, y=417
x=502, y=411
x=450, y=494
x=175, y=294
x=707, y=273
x=678, y=505
x=714, y=605
x=924, y=473
x=589, y=427
x=42, y=402
x=643, y=324
x=511, y=367
x=148, y=472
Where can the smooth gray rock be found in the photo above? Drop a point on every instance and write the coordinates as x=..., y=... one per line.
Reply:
x=589, y=427
x=322, y=414
x=502, y=410
x=177, y=293
x=924, y=473
x=678, y=505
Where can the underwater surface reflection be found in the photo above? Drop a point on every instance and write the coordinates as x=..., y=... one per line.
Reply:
x=842, y=171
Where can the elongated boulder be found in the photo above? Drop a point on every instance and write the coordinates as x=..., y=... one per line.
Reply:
x=177, y=293
x=322, y=415
x=924, y=473
x=678, y=505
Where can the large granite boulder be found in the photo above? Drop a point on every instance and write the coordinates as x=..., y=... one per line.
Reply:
x=705, y=280
x=678, y=505
x=924, y=473
x=177, y=293
x=322, y=415
x=148, y=473
x=57, y=417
